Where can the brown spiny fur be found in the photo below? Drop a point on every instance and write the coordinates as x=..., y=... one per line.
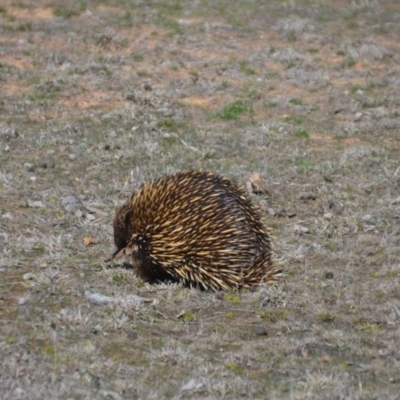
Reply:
x=197, y=228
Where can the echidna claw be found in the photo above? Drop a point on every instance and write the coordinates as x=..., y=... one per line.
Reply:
x=119, y=253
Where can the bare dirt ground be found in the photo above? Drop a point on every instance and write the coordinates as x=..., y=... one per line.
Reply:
x=98, y=97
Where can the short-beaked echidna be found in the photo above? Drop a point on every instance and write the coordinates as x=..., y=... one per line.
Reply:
x=197, y=228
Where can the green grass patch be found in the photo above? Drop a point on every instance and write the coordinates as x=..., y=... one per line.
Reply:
x=188, y=316
x=297, y=101
x=10, y=339
x=73, y=9
x=233, y=111
x=118, y=278
x=237, y=369
x=232, y=298
x=168, y=124
x=38, y=96
x=301, y=133
x=137, y=57
x=296, y=119
x=325, y=317
x=274, y=315
x=245, y=68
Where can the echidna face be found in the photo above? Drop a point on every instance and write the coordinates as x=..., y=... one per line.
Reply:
x=119, y=233
x=121, y=228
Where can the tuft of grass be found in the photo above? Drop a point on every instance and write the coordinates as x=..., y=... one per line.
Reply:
x=301, y=133
x=10, y=339
x=168, y=124
x=234, y=110
x=232, y=298
x=348, y=62
x=325, y=317
x=245, y=68
x=297, y=101
x=137, y=57
x=274, y=315
x=68, y=11
x=237, y=369
x=296, y=119
x=118, y=278
x=188, y=316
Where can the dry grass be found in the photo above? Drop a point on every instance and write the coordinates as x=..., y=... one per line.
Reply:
x=100, y=96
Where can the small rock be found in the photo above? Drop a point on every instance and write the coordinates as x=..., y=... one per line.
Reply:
x=69, y=202
x=379, y=112
x=357, y=116
x=132, y=335
x=71, y=157
x=396, y=201
x=28, y=276
x=167, y=112
x=370, y=228
x=147, y=87
x=18, y=392
x=261, y=331
x=271, y=212
x=112, y=134
x=366, y=217
x=329, y=275
x=301, y=229
x=36, y=204
x=21, y=301
x=192, y=386
x=90, y=217
x=29, y=167
x=315, y=246
x=328, y=216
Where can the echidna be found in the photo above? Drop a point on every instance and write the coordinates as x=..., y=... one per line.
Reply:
x=197, y=228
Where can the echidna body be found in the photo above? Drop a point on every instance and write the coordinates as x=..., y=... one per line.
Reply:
x=197, y=228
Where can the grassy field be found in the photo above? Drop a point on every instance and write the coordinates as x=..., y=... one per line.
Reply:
x=99, y=96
